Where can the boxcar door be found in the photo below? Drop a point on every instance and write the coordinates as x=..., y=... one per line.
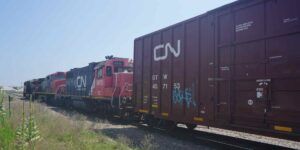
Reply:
x=250, y=86
x=223, y=66
x=207, y=63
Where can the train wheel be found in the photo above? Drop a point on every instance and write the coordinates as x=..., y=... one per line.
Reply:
x=191, y=126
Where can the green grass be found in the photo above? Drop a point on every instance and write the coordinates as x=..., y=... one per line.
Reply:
x=57, y=131
x=7, y=134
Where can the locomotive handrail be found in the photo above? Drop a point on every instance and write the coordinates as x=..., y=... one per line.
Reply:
x=112, y=97
x=125, y=86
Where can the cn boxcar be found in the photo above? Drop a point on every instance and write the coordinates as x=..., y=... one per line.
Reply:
x=233, y=67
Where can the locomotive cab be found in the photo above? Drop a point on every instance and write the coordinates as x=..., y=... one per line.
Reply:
x=113, y=81
x=56, y=81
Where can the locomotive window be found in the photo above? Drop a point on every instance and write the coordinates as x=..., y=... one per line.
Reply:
x=108, y=71
x=118, y=63
x=99, y=73
x=118, y=69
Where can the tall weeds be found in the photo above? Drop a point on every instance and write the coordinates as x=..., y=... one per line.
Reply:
x=27, y=133
x=35, y=126
x=24, y=137
x=6, y=130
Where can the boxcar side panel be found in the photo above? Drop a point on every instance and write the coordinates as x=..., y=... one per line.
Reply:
x=166, y=78
x=146, y=73
x=156, y=74
x=138, y=73
x=191, y=91
x=178, y=85
x=282, y=16
x=207, y=63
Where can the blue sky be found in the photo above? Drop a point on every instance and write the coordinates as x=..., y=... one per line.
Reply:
x=38, y=37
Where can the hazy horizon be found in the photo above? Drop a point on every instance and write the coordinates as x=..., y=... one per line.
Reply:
x=42, y=37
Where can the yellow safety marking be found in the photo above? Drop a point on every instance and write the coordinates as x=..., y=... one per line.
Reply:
x=198, y=119
x=143, y=111
x=282, y=128
x=165, y=114
x=154, y=106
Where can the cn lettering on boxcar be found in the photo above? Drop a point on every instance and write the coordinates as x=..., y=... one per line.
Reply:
x=165, y=48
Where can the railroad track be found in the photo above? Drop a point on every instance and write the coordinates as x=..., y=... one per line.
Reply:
x=215, y=141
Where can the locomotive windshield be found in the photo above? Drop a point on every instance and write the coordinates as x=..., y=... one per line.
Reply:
x=119, y=67
x=123, y=69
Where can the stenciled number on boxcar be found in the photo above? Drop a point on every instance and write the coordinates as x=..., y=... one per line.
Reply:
x=155, y=78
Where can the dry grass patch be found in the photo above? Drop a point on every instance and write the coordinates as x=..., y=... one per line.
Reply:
x=58, y=131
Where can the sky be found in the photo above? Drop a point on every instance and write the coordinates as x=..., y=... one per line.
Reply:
x=39, y=37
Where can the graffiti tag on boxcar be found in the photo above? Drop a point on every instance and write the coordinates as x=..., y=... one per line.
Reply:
x=166, y=48
x=180, y=95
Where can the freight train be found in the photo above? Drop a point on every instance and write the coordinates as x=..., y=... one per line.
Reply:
x=235, y=67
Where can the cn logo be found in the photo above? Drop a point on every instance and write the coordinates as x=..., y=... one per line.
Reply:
x=166, y=48
x=80, y=82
